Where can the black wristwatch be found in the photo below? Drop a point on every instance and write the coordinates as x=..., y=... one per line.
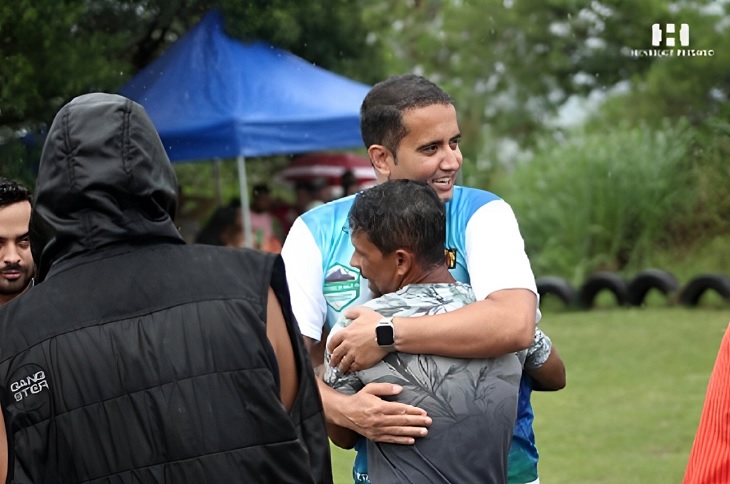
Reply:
x=385, y=333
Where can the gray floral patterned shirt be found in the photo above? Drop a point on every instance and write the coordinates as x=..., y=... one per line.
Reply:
x=473, y=402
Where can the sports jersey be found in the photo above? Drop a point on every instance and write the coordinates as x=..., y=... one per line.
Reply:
x=317, y=254
x=523, y=455
x=467, y=399
x=483, y=242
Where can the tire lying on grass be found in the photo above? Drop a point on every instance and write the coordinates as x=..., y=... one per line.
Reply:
x=647, y=280
x=693, y=291
x=599, y=282
x=558, y=287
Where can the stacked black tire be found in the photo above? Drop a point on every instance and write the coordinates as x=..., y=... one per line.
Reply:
x=633, y=292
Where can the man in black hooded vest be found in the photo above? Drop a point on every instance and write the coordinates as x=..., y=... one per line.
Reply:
x=139, y=358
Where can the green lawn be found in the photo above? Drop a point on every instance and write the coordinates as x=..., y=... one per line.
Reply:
x=636, y=383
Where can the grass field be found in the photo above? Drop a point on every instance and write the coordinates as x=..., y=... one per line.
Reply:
x=636, y=384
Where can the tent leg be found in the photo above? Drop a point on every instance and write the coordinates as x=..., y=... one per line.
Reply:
x=245, y=213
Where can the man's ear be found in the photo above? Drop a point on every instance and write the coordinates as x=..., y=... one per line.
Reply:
x=379, y=156
x=404, y=260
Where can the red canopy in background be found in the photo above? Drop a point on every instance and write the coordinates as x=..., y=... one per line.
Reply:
x=328, y=166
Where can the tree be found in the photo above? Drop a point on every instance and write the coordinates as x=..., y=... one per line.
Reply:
x=513, y=64
x=54, y=50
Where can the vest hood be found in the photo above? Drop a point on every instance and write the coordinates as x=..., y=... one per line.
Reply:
x=104, y=178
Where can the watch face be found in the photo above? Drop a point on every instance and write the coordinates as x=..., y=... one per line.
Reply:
x=384, y=335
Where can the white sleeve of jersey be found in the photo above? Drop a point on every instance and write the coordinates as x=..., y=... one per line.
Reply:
x=495, y=251
x=303, y=261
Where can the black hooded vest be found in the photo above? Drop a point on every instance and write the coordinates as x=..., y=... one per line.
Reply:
x=138, y=358
x=151, y=364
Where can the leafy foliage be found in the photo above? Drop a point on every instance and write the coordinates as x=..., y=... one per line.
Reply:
x=18, y=161
x=329, y=34
x=604, y=201
x=48, y=55
x=55, y=50
x=512, y=66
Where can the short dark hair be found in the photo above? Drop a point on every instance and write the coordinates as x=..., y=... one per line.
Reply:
x=402, y=214
x=260, y=189
x=12, y=192
x=381, y=113
x=348, y=179
x=222, y=218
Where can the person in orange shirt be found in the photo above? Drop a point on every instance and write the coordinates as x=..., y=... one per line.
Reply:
x=709, y=460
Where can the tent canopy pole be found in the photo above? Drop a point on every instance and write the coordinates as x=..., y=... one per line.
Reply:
x=245, y=213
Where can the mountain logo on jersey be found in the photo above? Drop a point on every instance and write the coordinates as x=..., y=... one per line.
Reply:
x=341, y=286
x=451, y=257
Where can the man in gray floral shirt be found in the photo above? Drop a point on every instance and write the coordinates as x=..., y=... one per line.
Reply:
x=398, y=231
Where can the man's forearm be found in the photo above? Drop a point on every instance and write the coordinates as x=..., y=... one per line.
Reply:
x=551, y=375
x=341, y=436
x=503, y=323
x=332, y=401
x=316, y=350
x=366, y=413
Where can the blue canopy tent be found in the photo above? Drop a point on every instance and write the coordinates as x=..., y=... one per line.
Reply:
x=210, y=96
